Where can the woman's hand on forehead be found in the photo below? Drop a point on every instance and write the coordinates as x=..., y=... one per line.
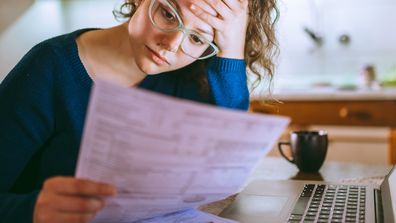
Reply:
x=229, y=19
x=205, y=7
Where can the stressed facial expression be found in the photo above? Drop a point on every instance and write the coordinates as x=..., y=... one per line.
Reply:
x=158, y=42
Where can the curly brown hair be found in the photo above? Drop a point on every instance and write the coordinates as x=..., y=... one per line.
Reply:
x=261, y=45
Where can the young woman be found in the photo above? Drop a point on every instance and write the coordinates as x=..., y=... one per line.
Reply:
x=197, y=50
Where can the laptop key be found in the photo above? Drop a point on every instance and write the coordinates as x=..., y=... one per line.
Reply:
x=339, y=209
x=338, y=212
x=324, y=217
x=311, y=214
x=309, y=218
x=295, y=217
x=324, y=212
x=350, y=219
x=314, y=205
x=313, y=209
x=337, y=216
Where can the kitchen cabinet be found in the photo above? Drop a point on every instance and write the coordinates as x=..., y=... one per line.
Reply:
x=337, y=108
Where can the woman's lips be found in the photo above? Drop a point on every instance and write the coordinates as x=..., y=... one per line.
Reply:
x=158, y=59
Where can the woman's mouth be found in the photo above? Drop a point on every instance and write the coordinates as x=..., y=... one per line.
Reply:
x=158, y=59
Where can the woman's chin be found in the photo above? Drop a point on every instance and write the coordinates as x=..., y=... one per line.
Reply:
x=150, y=68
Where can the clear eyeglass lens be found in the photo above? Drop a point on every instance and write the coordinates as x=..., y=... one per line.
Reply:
x=165, y=18
x=200, y=50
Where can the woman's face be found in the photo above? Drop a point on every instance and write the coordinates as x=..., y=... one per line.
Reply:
x=156, y=51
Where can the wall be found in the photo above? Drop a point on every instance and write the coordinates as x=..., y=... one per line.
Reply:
x=370, y=24
x=43, y=19
x=9, y=13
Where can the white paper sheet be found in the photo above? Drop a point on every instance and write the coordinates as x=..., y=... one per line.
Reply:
x=190, y=216
x=166, y=154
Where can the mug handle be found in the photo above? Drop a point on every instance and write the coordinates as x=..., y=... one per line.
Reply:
x=281, y=150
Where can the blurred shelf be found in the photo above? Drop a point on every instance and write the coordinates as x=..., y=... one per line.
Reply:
x=335, y=94
x=311, y=109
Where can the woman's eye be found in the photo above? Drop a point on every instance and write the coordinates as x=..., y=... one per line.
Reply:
x=168, y=15
x=196, y=39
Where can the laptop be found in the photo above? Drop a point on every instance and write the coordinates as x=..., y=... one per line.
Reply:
x=314, y=201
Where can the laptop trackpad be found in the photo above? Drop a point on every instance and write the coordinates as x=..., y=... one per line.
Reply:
x=252, y=208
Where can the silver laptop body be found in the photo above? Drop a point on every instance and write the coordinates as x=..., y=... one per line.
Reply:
x=279, y=201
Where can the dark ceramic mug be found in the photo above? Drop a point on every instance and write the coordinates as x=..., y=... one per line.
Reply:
x=308, y=149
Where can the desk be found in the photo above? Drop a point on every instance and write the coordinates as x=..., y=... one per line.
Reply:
x=341, y=108
x=275, y=168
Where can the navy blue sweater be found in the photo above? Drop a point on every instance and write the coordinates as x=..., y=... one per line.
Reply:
x=43, y=103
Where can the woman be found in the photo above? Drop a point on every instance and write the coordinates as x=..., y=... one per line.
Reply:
x=197, y=50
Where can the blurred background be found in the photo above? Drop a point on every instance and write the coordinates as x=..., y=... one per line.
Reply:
x=24, y=23
x=322, y=42
x=326, y=42
x=325, y=46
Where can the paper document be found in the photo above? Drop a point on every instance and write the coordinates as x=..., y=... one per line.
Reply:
x=190, y=216
x=166, y=154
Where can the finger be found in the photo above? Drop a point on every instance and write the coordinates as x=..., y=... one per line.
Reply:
x=207, y=8
x=234, y=5
x=74, y=186
x=63, y=217
x=73, y=217
x=221, y=8
x=213, y=21
x=77, y=204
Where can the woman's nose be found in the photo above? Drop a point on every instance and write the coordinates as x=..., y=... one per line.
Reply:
x=172, y=41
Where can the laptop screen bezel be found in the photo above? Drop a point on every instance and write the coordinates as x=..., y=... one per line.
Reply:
x=386, y=198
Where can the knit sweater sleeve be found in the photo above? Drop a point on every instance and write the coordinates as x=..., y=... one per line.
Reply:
x=228, y=82
x=25, y=120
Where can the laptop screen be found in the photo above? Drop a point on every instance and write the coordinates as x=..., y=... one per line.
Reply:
x=392, y=187
x=388, y=195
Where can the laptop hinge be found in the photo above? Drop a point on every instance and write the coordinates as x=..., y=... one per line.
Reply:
x=379, y=213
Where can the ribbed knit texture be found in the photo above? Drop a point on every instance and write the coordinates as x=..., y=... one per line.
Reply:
x=43, y=103
x=224, y=76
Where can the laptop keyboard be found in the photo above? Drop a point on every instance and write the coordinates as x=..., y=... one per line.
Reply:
x=330, y=203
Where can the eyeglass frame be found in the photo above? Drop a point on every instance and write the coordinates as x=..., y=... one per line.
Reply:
x=182, y=28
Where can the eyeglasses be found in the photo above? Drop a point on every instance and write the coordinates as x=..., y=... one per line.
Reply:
x=164, y=17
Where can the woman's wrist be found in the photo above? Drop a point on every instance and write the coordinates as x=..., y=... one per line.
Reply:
x=231, y=55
